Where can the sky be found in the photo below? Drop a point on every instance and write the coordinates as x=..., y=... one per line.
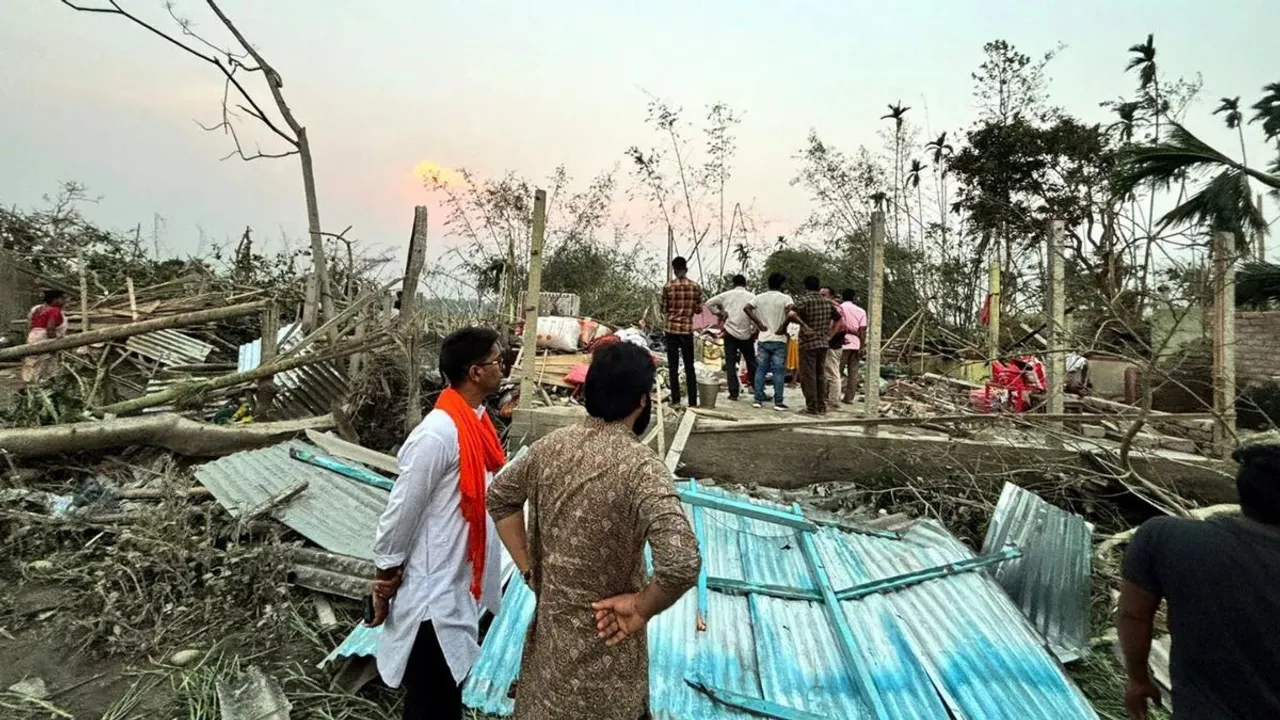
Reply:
x=386, y=87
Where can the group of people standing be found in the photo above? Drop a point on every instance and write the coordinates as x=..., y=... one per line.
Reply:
x=758, y=330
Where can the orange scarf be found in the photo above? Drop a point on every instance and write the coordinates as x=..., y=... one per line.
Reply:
x=479, y=450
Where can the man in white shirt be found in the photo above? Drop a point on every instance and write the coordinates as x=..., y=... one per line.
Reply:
x=771, y=312
x=437, y=560
x=739, y=331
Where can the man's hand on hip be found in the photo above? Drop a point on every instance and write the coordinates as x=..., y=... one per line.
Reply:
x=618, y=618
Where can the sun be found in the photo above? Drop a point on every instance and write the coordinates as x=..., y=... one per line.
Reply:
x=442, y=174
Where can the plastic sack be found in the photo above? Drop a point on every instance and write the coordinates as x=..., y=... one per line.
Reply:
x=559, y=333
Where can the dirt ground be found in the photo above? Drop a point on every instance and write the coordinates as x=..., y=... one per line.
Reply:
x=33, y=645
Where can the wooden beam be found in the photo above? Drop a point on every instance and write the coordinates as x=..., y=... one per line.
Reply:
x=532, y=295
x=270, y=342
x=678, y=442
x=336, y=446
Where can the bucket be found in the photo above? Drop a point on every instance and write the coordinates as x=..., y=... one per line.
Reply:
x=707, y=392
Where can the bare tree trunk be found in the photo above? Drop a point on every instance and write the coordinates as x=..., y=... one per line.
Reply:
x=313, y=227
x=169, y=431
x=121, y=332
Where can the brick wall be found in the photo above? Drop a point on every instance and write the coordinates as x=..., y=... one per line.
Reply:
x=1257, y=347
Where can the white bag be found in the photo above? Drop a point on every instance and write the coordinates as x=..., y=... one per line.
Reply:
x=559, y=333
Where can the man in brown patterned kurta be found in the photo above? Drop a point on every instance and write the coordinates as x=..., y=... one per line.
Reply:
x=595, y=495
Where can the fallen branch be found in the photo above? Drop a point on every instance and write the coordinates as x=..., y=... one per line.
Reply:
x=270, y=504
x=169, y=431
x=121, y=332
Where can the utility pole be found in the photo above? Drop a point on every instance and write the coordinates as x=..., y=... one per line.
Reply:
x=1056, y=320
x=532, y=296
x=875, y=309
x=1224, y=340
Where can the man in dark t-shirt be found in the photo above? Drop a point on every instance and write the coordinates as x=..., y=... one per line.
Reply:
x=1221, y=578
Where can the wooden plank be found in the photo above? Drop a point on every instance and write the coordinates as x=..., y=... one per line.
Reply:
x=334, y=445
x=678, y=442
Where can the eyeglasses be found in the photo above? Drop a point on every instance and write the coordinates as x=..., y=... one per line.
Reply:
x=498, y=361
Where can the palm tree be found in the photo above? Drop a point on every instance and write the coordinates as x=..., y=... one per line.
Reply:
x=1224, y=203
x=1127, y=112
x=1258, y=284
x=1144, y=61
x=941, y=150
x=1267, y=112
x=896, y=113
x=913, y=180
x=1230, y=109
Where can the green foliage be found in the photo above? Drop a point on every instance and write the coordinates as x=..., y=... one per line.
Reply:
x=1267, y=111
x=1012, y=176
x=848, y=269
x=57, y=400
x=1224, y=203
x=1259, y=407
x=614, y=285
x=1258, y=285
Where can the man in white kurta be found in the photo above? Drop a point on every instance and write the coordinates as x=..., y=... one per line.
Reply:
x=430, y=639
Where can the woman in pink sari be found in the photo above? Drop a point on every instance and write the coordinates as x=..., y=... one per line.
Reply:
x=44, y=322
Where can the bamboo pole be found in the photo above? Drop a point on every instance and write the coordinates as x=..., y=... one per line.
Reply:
x=875, y=311
x=121, y=332
x=531, y=297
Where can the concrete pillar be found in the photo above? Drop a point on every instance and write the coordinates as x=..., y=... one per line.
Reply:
x=875, y=312
x=531, y=296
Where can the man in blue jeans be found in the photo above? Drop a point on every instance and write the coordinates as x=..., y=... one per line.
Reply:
x=771, y=311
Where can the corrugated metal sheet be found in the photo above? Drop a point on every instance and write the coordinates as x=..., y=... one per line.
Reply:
x=1052, y=580
x=305, y=391
x=953, y=645
x=335, y=512
x=170, y=347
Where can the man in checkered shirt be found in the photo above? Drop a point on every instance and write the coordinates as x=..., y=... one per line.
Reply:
x=818, y=322
x=681, y=300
